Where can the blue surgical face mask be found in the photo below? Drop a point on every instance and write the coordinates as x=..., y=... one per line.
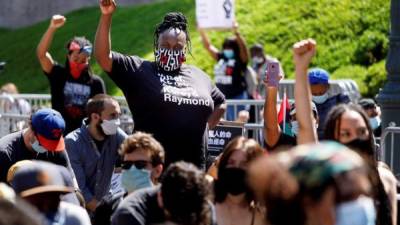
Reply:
x=134, y=179
x=375, y=122
x=320, y=98
x=229, y=53
x=360, y=211
x=38, y=148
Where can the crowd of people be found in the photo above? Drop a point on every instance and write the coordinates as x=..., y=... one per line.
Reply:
x=72, y=164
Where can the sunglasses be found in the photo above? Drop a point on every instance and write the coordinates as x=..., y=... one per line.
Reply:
x=139, y=164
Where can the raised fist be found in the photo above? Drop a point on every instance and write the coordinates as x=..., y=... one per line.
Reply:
x=57, y=21
x=303, y=52
x=107, y=7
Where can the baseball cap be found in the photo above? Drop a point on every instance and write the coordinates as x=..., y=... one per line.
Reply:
x=367, y=103
x=49, y=126
x=15, y=167
x=82, y=45
x=39, y=177
x=318, y=76
x=293, y=108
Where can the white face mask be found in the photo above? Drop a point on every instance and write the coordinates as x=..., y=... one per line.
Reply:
x=320, y=98
x=360, y=211
x=295, y=127
x=375, y=122
x=258, y=60
x=37, y=147
x=110, y=127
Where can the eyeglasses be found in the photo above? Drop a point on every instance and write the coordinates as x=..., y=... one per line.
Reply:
x=139, y=164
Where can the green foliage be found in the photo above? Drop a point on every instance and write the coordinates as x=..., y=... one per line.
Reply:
x=371, y=48
x=356, y=73
x=375, y=78
x=348, y=32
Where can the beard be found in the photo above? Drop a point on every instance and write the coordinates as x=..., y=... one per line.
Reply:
x=100, y=129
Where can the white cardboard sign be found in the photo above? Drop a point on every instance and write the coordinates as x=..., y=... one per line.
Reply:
x=217, y=14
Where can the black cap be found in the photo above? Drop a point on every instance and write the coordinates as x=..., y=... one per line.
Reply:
x=367, y=103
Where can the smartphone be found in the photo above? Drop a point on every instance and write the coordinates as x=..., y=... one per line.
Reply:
x=272, y=74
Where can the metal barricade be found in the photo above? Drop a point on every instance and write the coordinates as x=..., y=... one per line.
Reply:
x=38, y=101
x=257, y=132
x=257, y=104
x=387, y=150
x=12, y=122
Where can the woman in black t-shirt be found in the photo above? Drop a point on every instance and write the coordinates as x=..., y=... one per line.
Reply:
x=230, y=70
x=169, y=99
x=71, y=85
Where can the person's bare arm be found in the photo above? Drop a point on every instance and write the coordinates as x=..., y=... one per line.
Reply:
x=303, y=52
x=216, y=115
x=272, y=131
x=102, y=43
x=44, y=57
x=244, y=54
x=211, y=49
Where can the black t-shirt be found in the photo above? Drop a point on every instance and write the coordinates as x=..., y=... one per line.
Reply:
x=13, y=149
x=139, y=208
x=107, y=206
x=230, y=76
x=173, y=106
x=284, y=142
x=69, y=96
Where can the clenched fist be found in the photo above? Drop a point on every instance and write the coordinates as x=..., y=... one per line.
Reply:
x=57, y=21
x=303, y=52
x=107, y=7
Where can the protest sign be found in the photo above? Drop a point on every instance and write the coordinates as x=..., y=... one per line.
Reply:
x=221, y=135
x=217, y=14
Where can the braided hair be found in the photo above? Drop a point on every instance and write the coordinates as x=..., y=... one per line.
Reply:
x=172, y=20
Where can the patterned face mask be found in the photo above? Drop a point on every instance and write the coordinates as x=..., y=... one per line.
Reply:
x=170, y=59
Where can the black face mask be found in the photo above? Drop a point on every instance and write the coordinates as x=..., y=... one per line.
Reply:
x=362, y=146
x=233, y=180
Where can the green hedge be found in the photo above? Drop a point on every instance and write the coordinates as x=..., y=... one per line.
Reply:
x=351, y=36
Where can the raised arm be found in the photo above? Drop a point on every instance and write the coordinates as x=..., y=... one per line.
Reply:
x=303, y=52
x=244, y=54
x=272, y=131
x=45, y=59
x=211, y=49
x=102, y=43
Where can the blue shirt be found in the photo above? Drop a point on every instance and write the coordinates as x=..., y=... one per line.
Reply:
x=93, y=168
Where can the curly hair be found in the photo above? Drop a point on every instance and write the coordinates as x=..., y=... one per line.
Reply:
x=144, y=141
x=184, y=183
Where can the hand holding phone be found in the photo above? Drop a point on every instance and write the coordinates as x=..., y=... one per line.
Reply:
x=272, y=74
